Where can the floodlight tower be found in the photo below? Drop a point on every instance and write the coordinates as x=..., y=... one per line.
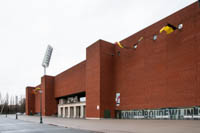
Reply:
x=45, y=64
x=47, y=58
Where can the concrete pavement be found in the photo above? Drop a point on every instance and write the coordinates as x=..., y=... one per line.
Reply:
x=8, y=125
x=121, y=126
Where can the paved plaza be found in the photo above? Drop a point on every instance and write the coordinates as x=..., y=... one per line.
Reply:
x=10, y=125
x=116, y=125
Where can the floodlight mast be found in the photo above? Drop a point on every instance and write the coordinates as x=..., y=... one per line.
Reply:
x=45, y=64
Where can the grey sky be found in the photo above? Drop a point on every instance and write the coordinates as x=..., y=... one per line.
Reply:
x=28, y=26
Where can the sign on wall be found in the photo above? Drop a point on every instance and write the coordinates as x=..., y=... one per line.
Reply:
x=166, y=113
x=72, y=99
x=117, y=99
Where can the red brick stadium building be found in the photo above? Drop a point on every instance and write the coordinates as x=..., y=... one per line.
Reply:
x=158, y=79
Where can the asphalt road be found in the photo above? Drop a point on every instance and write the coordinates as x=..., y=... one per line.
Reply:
x=8, y=125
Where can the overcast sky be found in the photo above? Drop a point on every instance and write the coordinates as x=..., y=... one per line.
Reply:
x=28, y=26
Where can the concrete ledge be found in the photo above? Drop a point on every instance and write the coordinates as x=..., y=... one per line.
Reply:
x=187, y=116
x=196, y=116
x=92, y=118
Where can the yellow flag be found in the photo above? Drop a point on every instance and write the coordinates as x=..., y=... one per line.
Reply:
x=119, y=44
x=167, y=29
x=37, y=88
x=141, y=38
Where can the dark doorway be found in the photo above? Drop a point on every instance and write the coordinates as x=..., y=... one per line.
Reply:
x=106, y=113
x=118, y=114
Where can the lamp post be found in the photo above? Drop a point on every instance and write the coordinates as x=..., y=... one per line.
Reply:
x=40, y=91
x=16, y=107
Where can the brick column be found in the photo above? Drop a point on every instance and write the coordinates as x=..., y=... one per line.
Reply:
x=49, y=104
x=30, y=100
x=99, y=80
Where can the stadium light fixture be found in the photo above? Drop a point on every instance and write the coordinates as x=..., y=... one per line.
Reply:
x=180, y=26
x=155, y=37
x=47, y=58
x=135, y=46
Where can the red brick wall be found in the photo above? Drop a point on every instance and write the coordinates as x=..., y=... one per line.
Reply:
x=93, y=80
x=165, y=72
x=70, y=81
x=37, y=103
x=49, y=104
x=107, y=91
x=197, y=44
x=99, y=79
x=30, y=100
